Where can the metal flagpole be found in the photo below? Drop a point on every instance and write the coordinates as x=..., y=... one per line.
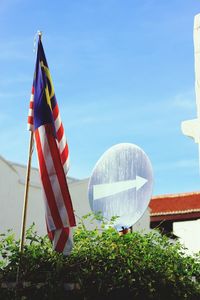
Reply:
x=28, y=171
x=25, y=204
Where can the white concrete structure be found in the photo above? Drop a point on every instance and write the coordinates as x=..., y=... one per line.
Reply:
x=191, y=128
x=12, y=186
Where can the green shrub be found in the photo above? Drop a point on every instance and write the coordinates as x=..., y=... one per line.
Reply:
x=103, y=265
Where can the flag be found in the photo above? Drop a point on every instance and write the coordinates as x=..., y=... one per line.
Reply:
x=53, y=156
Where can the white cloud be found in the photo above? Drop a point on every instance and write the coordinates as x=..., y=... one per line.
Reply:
x=184, y=100
x=4, y=118
x=15, y=49
x=6, y=5
x=174, y=165
x=87, y=113
x=20, y=78
x=12, y=95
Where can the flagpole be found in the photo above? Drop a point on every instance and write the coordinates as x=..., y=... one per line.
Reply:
x=28, y=171
x=25, y=205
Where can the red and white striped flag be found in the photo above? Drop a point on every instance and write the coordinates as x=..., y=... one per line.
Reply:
x=53, y=156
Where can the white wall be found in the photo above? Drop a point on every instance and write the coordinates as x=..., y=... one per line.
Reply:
x=12, y=185
x=11, y=201
x=79, y=194
x=143, y=224
x=188, y=231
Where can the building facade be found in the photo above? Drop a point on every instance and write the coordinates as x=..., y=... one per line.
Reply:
x=12, y=186
x=176, y=215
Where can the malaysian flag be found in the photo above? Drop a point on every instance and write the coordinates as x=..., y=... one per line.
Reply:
x=53, y=156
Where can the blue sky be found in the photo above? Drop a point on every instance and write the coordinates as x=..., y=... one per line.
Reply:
x=123, y=71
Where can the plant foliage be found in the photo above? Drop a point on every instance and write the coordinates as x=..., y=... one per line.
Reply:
x=102, y=265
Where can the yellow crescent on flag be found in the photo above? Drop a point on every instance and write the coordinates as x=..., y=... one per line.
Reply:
x=48, y=95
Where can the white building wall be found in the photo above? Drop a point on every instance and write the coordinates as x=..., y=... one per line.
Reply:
x=143, y=224
x=12, y=185
x=12, y=197
x=10, y=203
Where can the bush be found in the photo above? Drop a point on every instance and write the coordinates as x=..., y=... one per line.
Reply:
x=102, y=265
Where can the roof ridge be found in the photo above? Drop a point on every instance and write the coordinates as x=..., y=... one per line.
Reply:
x=177, y=212
x=13, y=164
x=164, y=196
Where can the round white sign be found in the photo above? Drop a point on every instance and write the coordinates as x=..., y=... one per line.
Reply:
x=121, y=184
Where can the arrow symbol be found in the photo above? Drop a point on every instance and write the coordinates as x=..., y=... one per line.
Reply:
x=110, y=189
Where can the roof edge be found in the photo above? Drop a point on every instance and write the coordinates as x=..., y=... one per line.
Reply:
x=9, y=164
x=177, y=212
x=164, y=196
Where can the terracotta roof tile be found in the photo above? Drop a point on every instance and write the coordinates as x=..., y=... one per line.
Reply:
x=175, y=204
